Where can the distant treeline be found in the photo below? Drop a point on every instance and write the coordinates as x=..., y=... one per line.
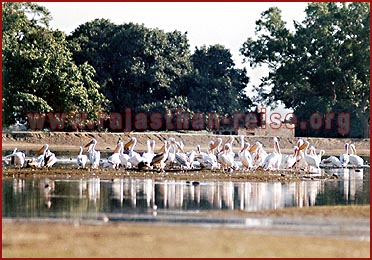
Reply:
x=322, y=66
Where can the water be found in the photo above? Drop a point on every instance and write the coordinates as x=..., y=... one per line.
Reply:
x=128, y=199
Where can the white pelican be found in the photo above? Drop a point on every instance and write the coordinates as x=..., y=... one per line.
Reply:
x=215, y=147
x=81, y=159
x=50, y=158
x=124, y=158
x=172, y=152
x=225, y=158
x=244, y=155
x=39, y=161
x=230, y=142
x=9, y=159
x=150, y=153
x=114, y=160
x=355, y=160
x=206, y=160
x=134, y=157
x=318, y=157
x=274, y=159
x=258, y=154
x=93, y=155
x=333, y=161
x=291, y=159
x=17, y=158
x=311, y=160
x=345, y=158
x=300, y=157
x=160, y=158
x=181, y=157
x=183, y=160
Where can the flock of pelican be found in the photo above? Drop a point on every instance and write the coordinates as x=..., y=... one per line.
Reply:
x=218, y=155
x=43, y=158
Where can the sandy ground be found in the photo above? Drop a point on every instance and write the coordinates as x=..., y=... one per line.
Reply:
x=47, y=239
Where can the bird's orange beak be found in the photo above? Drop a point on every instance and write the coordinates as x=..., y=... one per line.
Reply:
x=244, y=147
x=88, y=144
x=117, y=149
x=253, y=148
x=127, y=145
x=162, y=149
x=180, y=148
x=302, y=147
x=41, y=150
x=213, y=146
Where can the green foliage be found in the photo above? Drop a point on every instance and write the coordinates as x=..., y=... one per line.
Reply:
x=214, y=85
x=106, y=66
x=322, y=66
x=136, y=66
x=39, y=74
x=149, y=70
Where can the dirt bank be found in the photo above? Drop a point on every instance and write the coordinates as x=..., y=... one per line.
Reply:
x=70, y=141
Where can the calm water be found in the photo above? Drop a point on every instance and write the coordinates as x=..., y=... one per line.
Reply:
x=128, y=199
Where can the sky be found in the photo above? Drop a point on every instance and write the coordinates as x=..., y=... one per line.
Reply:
x=206, y=23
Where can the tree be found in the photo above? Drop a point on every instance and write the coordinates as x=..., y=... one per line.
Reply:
x=323, y=66
x=39, y=74
x=138, y=67
x=90, y=43
x=215, y=85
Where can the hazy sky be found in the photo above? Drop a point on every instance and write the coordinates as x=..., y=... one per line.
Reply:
x=208, y=23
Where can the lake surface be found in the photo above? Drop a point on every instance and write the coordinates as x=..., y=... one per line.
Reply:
x=128, y=199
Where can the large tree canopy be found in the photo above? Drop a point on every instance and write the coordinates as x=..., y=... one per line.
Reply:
x=104, y=67
x=136, y=66
x=149, y=70
x=323, y=66
x=215, y=85
x=39, y=74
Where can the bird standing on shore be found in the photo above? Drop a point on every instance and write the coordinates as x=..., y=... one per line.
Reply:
x=345, y=158
x=274, y=159
x=354, y=159
x=160, y=158
x=50, y=158
x=113, y=161
x=17, y=158
x=93, y=155
x=81, y=159
x=291, y=159
x=43, y=156
x=244, y=155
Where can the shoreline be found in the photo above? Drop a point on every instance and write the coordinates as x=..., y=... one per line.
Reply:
x=193, y=176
